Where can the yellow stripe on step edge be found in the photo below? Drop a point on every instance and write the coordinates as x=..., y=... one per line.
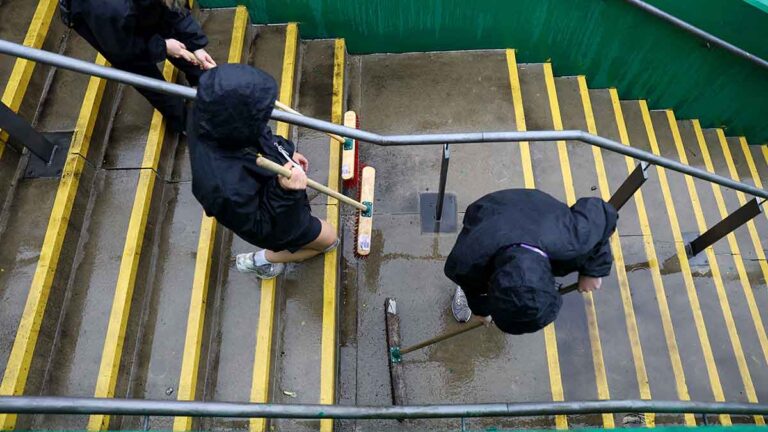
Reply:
x=717, y=278
x=570, y=196
x=626, y=295
x=263, y=355
x=196, y=317
x=690, y=287
x=550, y=337
x=661, y=297
x=289, y=73
x=754, y=172
x=21, y=74
x=738, y=259
x=20, y=359
x=126, y=279
x=330, y=272
x=517, y=102
x=601, y=377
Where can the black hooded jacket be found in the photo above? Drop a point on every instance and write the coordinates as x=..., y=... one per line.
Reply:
x=134, y=30
x=485, y=255
x=228, y=122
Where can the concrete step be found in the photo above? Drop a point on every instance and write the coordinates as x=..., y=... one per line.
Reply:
x=240, y=349
x=43, y=225
x=22, y=83
x=103, y=295
x=305, y=350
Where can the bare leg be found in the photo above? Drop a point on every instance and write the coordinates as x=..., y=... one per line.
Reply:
x=326, y=238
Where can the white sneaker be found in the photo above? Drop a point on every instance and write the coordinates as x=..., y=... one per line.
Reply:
x=246, y=263
x=460, y=307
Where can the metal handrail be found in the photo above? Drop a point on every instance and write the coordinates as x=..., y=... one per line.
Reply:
x=714, y=40
x=142, y=407
x=81, y=66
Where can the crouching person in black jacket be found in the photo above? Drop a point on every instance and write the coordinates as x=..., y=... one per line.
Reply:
x=135, y=35
x=227, y=128
x=513, y=245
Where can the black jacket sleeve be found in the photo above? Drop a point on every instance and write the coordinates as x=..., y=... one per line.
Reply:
x=278, y=200
x=116, y=34
x=595, y=222
x=185, y=29
x=599, y=262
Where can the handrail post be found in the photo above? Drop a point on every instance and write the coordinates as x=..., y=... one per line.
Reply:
x=443, y=179
x=627, y=189
x=726, y=226
x=438, y=212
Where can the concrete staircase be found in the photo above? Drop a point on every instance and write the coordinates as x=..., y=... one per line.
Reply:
x=114, y=284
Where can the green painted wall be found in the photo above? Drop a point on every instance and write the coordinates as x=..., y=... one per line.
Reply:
x=609, y=41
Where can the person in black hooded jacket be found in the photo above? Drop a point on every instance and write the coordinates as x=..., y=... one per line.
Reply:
x=227, y=129
x=135, y=35
x=514, y=243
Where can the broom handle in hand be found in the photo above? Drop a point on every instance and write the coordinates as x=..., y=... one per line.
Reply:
x=286, y=108
x=285, y=172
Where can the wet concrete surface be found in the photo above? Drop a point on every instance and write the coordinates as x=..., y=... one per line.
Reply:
x=233, y=327
x=19, y=255
x=735, y=286
x=16, y=16
x=296, y=353
x=28, y=217
x=576, y=365
x=414, y=93
x=315, y=80
x=713, y=312
x=83, y=321
x=431, y=92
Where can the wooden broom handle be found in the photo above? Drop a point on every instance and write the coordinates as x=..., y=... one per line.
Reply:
x=463, y=329
x=286, y=108
x=285, y=172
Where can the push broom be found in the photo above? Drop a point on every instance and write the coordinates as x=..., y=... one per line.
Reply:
x=396, y=353
x=365, y=208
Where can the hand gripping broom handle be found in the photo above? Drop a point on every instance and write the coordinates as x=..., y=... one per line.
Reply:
x=286, y=108
x=285, y=172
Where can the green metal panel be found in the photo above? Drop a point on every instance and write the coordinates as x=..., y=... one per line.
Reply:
x=609, y=41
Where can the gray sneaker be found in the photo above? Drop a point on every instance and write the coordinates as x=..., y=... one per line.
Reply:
x=636, y=420
x=460, y=307
x=246, y=264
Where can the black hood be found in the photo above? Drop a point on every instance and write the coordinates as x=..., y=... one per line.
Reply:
x=522, y=292
x=234, y=104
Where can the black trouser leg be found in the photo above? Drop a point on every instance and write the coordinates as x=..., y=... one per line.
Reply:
x=171, y=107
x=191, y=72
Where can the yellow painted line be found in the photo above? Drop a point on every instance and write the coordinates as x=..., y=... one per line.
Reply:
x=618, y=256
x=730, y=324
x=21, y=74
x=661, y=297
x=653, y=265
x=196, y=317
x=289, y=73
x=690, y=286
x=17, y=369
x=755, y=176
x=765, y=153
x=738, y=260
x=550, y=336
x=601, y=379
x=330, y=279
x=517, y=101
x=126, y=279
x=263, y=356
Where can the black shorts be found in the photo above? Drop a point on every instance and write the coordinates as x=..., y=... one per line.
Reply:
x=303, y=238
